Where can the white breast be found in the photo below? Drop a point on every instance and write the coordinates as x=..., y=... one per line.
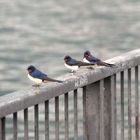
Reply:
x=85, y=60
x=73, y=68
x=36, y=80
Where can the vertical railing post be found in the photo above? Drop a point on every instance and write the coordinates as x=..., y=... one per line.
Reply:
x=122, y=104
x=26, y=124
x=113, y=108
x=137, y=102
x=84, y=115
x=101, y=109
x=91, y=111
x=15, y=126
x=115, y=104
x=66, y=98
x=2, y=128
x=107, y=109
x=75, y=115
x=91, y=106
x=129, y=106
x=47, y=120
x=36, y=125
x=57, y=118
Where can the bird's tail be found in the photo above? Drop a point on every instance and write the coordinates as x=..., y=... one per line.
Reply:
x=59, y=81
x=111, y=65
x=105, y=64
x=52, y=80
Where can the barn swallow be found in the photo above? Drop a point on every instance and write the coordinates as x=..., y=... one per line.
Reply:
x=39, y=77
x=73, y=64
x=89, y=58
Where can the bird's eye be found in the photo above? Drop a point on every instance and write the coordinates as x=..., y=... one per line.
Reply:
x=87, y=53
x=29, y=69
x=66, y=58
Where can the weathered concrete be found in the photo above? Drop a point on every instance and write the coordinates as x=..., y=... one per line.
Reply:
x=22, y=99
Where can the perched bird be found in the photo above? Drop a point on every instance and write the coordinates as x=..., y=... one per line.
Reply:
x=73, y=64
x=89, y=58
x=39, y=77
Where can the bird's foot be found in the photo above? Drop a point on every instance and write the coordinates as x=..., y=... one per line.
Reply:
x=35, y=85
x=73, y=72
x=91, y=68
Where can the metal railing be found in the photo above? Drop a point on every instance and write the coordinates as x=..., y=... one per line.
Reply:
x=106, y=95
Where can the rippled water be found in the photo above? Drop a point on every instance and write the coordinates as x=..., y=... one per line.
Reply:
x=43, y=32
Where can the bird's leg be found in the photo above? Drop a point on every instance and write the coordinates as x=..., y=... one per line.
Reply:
x=71, y=71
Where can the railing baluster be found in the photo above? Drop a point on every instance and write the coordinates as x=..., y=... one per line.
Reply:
x=57, y=118
x=122, y=105
x=112, y=107
x=115, y=111
x=137, y=102
x=47, y=120
x=91, y=96
x=15, y=126
x=26, y=124
x=66, y=118
x=107, y=108
x=84, y=114
x=129, y=106
x=2, y=128
x=36, y=127
x=101, y=109
x=75, y=116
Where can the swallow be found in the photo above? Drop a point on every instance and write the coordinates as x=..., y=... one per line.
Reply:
x=74, y=64
x=39, y=77
x=89, y=58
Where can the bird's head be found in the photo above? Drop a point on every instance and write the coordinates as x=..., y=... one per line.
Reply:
x=30, y=68
x=87, y=54
x=67, y=58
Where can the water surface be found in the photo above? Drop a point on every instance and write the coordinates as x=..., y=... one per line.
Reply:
x=42, y=32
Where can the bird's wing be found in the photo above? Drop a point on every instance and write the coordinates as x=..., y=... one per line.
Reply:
x=99, y=62
x=38, y=74
x=80, y=63
x=73, y=62
x=93, y=59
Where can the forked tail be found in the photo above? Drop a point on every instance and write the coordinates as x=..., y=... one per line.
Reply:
x=101, y=63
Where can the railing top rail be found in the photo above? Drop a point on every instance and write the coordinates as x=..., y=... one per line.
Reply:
x=22, y=99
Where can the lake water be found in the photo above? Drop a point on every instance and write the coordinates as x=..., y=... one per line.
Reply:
x=42, y=32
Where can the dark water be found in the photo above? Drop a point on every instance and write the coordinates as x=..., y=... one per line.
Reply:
x=42, y=32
